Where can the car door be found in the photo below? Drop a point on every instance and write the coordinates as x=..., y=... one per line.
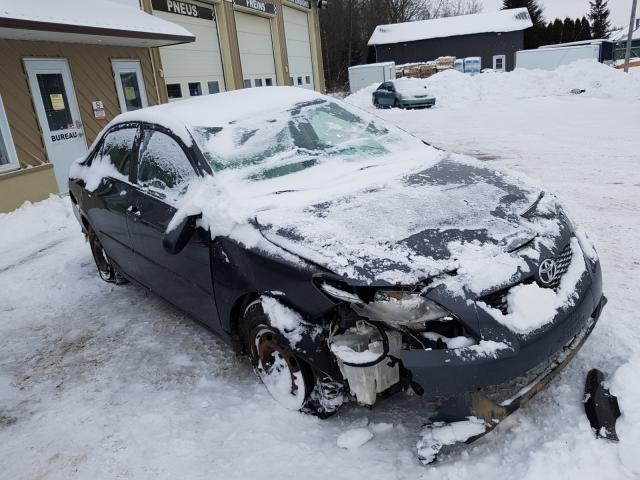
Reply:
x=163, y=172
x=387, y=94
x=106, y=205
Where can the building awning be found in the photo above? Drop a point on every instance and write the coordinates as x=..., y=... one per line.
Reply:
x=99, y=22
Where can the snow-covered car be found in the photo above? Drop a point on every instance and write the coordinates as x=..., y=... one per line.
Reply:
x=346, y=257
x=390, y=94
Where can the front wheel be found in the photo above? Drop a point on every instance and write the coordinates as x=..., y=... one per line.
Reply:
x=396, y=104
x=287, y=378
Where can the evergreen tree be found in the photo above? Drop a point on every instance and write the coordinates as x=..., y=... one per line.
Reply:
x=586, y=29
x=599, y=16
x=577, y=30
x=556, y=31
x=568, y=27
x=535, y=36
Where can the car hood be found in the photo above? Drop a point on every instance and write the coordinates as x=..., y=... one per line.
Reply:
x=415, y=226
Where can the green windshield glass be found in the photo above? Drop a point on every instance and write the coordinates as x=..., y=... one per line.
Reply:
x=296, y=140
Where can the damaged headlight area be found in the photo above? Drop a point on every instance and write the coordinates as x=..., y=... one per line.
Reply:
x=375, y=324
x=425, y=324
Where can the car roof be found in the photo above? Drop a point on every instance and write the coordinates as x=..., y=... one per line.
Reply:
x=221, y=108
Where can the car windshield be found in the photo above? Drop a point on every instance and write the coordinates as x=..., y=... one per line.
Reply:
x=283, y=143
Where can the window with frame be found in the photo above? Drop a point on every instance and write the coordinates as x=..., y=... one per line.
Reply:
x=174, y=90
x=247, y=83
x=213, y=86
x=195, y=89
x=163, y=165
x=268, y=82
x=118, y=147
x=8, y=155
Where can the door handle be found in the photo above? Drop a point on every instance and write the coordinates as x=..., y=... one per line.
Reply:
x=134, y=211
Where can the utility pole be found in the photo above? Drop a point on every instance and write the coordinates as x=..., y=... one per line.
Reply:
x=632, y=24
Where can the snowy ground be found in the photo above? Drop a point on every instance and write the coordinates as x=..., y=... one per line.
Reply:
x=101, y=381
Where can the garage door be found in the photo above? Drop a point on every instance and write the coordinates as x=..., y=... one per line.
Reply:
x=256, y=50
x=296, y=30
x=192, y=69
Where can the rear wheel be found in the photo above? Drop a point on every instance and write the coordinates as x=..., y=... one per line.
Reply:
x=106, y=269
x=396, y=104
x=376, y=103
x=287, y=378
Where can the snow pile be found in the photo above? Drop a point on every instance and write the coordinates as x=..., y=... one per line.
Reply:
x=625, y=385
x=101, y=167
x=43, y=224
x=354, y=438
x=454, y=89
x=484, y=348
x=287, y=321
x=438, y=435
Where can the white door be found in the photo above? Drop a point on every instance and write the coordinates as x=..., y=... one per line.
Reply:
x=256, y=50
x=195, y=68
x=296, y=31
x=129, y=85
x=55, y=102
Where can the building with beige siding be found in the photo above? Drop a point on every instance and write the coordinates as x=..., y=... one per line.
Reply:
x=70, y=66
x=240, y=44
x=67, y=69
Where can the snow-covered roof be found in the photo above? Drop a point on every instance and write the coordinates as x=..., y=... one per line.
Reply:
x=219, y=109
x=99, y=22
x=623, y=35
x=501, y=21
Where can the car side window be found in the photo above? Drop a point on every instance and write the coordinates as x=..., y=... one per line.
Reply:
x=118, y=147
x=163, y=165
x=390, y=87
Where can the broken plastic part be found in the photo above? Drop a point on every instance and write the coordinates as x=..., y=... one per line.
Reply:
x=366, y=380
x=601, y=407
x=338, y=293
x=436, y=436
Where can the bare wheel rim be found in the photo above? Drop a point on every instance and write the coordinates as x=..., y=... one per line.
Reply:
x=278, y=369
x=105, y=268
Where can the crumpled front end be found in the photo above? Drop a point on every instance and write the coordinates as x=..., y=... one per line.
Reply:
x=488, y=348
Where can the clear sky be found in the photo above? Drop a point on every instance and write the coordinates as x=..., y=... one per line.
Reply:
x=620, y=9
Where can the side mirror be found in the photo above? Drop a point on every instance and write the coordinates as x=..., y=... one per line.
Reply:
x=175, y=240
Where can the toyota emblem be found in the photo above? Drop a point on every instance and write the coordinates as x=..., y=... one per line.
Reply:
x=548, y=271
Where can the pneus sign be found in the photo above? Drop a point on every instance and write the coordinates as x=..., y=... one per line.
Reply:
x=258, y=5
x=182, y=8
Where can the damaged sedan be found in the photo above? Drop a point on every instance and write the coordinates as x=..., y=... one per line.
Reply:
x=345, y=257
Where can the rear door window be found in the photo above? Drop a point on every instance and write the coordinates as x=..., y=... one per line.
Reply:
x=117, y=147
x=163, y=165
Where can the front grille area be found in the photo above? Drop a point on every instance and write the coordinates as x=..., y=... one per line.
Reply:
x=498, y=300
x=562, y=263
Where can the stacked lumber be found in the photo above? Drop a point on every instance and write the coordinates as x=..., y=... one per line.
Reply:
x=445, y=63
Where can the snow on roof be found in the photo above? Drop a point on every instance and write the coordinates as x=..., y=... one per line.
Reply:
x=501, y=21
x=71, y=18
x=623, y=34
x=219, y=109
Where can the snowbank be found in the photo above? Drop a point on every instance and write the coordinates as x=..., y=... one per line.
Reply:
x=625, y=385
x=452, y=88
